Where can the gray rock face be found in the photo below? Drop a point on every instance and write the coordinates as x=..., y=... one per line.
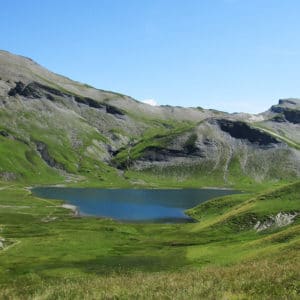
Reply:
x=292, y=116
x=77, y=129
x=241, y=130
x=8, y=176
x=43, y=150
x=33, y=90
x=4, y=133
x=288, y=110
x=291, y=102
x=279, y=220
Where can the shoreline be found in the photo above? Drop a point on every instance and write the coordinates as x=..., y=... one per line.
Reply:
x=71, y=207
x=132, y=188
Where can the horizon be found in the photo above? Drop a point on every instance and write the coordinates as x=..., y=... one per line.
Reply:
x=229, y=55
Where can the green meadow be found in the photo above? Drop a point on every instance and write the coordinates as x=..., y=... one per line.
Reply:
x=51, y=254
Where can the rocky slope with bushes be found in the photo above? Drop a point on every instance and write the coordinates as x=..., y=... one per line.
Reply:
x=54, y=129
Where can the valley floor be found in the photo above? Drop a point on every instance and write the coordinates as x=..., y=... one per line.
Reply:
x=47, y=253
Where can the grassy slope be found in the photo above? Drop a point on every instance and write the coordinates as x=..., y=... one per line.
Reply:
x=281, y=136
x=202, y=174
x=19, y=156
x=25, y=162
x=221, y=255
x=88, y=168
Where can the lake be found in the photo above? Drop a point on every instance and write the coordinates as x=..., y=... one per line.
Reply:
x=134, y=205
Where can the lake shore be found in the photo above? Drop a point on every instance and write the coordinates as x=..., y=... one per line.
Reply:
x=71, y=207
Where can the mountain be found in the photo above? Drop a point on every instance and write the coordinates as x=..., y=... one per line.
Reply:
x=57, y=131
x=54, y=129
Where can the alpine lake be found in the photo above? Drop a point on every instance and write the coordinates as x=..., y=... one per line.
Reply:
x=133, y=205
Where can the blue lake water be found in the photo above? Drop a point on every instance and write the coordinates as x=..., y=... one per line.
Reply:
x=134, y=205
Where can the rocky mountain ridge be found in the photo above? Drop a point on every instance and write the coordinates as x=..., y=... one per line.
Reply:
x=66, y=129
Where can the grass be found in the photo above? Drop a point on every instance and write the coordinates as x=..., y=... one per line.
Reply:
x=19, y=156
x=156, y=137
x=80, y=149
x=50, y=254
x=25, y=163
x=253, y=280
x=281, y=137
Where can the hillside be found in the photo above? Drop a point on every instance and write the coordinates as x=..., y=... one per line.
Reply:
x=243, y=246
x=57, y=131
x=53, y=129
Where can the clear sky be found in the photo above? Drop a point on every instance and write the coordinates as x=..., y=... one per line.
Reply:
x=232, y=55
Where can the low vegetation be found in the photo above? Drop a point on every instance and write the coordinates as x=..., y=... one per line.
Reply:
x=263, y=279
x=57, y=131
x=50, y=254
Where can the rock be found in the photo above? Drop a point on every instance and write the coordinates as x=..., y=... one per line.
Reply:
x=277, y=109
x=293, y=116
x=289, y=109
x=4, y=133
x=280, y=118
x=34, y=90
x=17, y=90
x=8, y=176
x=165, y=154
x=280, y=220
x=180, y=142
x=241, y=130
x=114, y=110
x=89, y=102
x=102, y=106
x=43, y=150
x=288, y=101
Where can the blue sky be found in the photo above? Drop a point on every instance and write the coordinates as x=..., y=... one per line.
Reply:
x=232, y=55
